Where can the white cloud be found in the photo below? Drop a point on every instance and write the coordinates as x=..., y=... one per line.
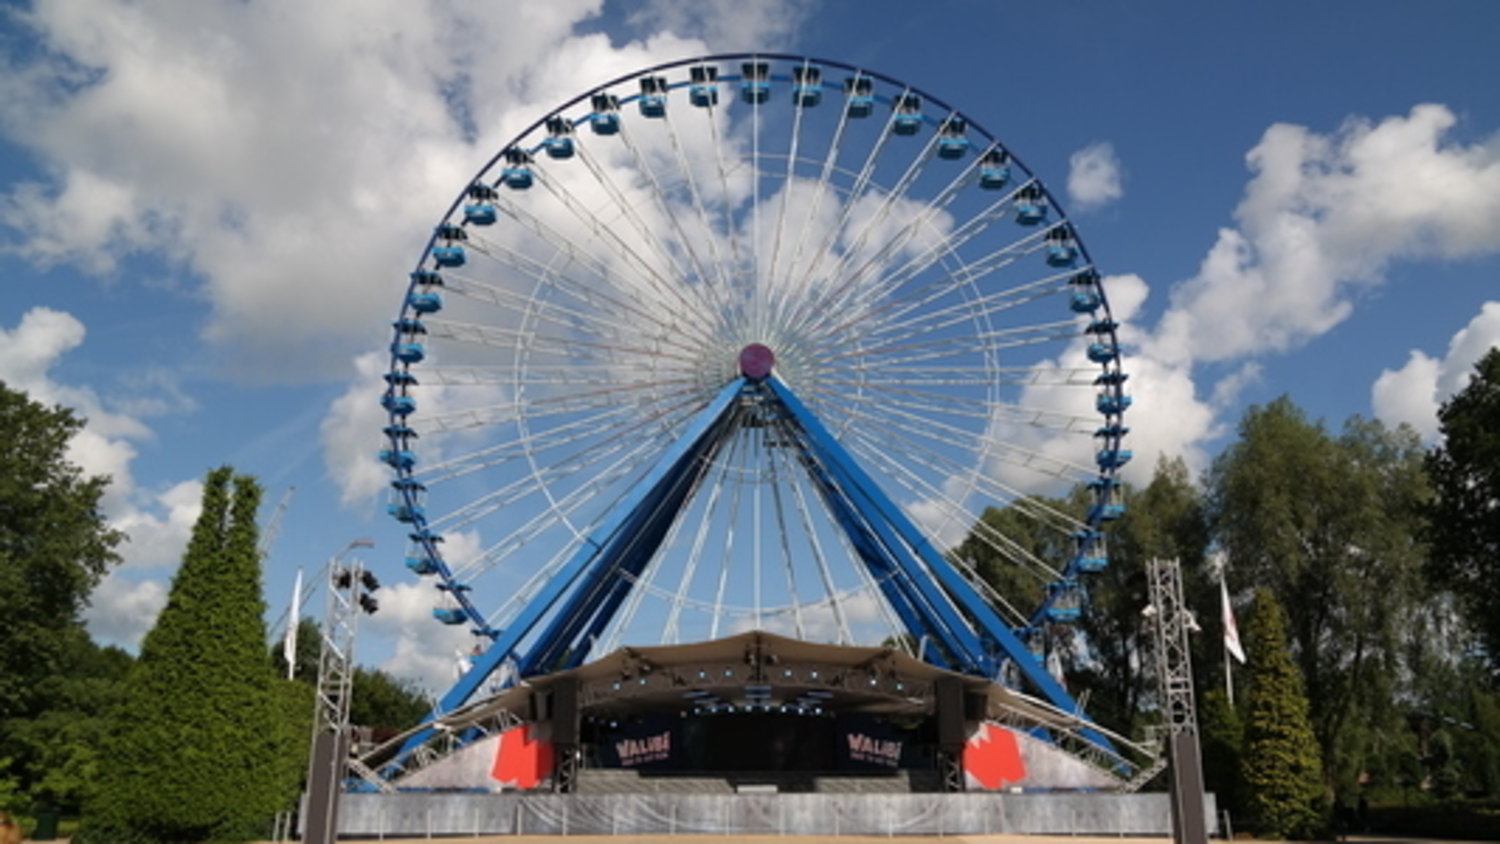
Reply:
x=1322, y=218
x=193, y=134
x=1414, y=393
x=1094, y=176
x=423, y=650
x=121, y=609
x=350, y=434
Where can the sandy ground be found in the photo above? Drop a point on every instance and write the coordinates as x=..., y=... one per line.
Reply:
x=849, y=839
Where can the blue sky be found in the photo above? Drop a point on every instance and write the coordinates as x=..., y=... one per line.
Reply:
x=207, y=211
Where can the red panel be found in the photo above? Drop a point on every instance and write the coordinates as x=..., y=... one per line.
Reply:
x=992, y=758
x=520, y=761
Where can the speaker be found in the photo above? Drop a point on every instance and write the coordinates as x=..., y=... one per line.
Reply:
x=949, y=697
x=565, y=711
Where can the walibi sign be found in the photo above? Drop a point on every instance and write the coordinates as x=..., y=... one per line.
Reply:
x=867, y=744
x=646, y=743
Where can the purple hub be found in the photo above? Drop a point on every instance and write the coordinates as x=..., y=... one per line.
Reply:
x=756, y=361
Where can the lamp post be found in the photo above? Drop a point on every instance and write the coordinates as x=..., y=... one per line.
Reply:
x=350, y=588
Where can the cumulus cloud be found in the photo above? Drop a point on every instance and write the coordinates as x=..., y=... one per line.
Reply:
x=1414, y=393
x=192, y=134
x=1322, y=218
x=1094, y=177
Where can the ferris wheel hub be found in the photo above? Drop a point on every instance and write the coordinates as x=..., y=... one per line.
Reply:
x=756, y=361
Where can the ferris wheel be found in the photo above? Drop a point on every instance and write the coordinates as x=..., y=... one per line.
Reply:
x=752, y=342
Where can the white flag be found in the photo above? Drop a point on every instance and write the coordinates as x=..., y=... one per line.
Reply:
x=1231, y=630
x=293, y=620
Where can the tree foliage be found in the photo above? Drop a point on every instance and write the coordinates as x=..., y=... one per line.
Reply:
x=1327, y=525
x=198, y=748
x=1282, y=773
x=54, y=546
x=1465, y=514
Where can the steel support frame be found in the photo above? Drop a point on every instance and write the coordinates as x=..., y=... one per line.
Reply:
x=930, y=597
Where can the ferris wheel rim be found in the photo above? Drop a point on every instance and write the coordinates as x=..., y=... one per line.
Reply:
x=409, y=476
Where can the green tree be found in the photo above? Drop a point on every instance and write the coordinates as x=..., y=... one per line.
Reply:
x=1330, y=526
x=1465, y=514
x=56, y=751
x=197, y=750
x=54, y=546
x=1282, y=774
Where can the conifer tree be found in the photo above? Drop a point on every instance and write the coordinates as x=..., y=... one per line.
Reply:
x=196, y=753
x=1283, y=771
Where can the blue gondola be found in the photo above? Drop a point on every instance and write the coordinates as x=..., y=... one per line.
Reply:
x=704, y=88
x=994, y=169
x=605, y=118
x=1110, y=404
x=425, y=303
x=398, y=458
x=1084, y=302
x=859, y=93
x=755, y=82
x=480, y=215
x=398, y=405
x=420, y=555
x=1103, y=352
x=480, y=211
x=408, y=500
x=907, y=116
x=448, y=256
x=408, y=352
x=559, y=140
x=516, y=174
x=1061, y=251
x=807, y=86
x=952, y=143
x=449, y=615
x=1031, y=206
x=1064, y=608
x=653, y=99
x=1112, y=458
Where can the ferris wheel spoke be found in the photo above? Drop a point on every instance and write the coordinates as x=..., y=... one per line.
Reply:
x=886, y=299
x=599, y=318
x=854, y=278
x=561, y=345
x=511, y=411
x=644, y=286
x=659, y=270
x=939, y=377
x=671, y=632
x=938, y=405
x=915, y=430
x=931, y=308
x=945, y=348
x=613, y=297
x=503, y=452
x=558, y=515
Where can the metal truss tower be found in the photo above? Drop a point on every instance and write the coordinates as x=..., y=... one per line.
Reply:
x=1174, y=663
x=349, y=588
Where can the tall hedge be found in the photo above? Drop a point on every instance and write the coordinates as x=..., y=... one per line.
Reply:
x=198, y=749
x=1283, y=770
